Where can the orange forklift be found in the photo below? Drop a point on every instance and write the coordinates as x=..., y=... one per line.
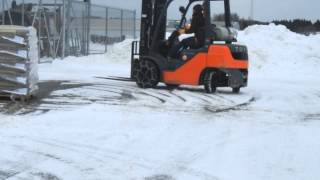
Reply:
x=220, y=62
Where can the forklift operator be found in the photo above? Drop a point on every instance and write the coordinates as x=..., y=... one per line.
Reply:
x=196, y=27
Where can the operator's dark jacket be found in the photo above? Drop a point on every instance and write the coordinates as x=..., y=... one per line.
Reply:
x=197, y=27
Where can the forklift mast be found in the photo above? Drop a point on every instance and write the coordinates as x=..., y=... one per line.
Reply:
x=152, y=13
x=154, y=19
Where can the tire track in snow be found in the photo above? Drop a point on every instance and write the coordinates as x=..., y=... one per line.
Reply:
x=46, y=176
x=58, y=150
x=6, y=174
x=141, y=162
x=66, y=95
x=227, y=109
x=178, y=96
x=153, y=96
x=200, y=98
x=91, y=157
x=312, y=117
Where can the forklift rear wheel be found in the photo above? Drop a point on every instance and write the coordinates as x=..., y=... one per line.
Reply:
x=209, y=85
x=147, y=74
x=236, y=90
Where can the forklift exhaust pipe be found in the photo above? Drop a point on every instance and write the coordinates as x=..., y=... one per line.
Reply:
x=227, y=13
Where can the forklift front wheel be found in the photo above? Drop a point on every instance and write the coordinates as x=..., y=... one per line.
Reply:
x=147, y=74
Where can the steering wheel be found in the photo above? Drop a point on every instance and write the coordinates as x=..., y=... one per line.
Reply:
x=173, y=38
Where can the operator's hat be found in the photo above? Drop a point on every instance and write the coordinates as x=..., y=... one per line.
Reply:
x=198, y=8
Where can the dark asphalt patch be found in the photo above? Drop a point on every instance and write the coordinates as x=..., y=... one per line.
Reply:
x=312, y=117
x=7, y=174
x=45, y=90
x=46, y=176
x=160, y=177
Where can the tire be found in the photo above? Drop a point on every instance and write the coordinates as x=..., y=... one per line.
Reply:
x=236, y=90
x=209, y=85
x=147, y=74
x=172, y=86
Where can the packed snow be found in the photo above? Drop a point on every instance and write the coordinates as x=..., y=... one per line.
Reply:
x=90, y=127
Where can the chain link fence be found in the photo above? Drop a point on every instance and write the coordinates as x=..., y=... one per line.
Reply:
x=78, y=28
x=70, y=27
x=110, y=25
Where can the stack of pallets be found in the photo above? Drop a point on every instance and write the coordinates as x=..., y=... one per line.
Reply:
x=19, y=59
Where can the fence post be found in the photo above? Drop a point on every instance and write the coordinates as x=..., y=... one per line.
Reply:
x=134, y=24
x=54, y=39
x=22, y=13
x=64, y=30
x=84, y=29
x=67, y=30
x=121, y=23
x=40, y=40
x=3, y=13
x=107, y=21
x=88, y=28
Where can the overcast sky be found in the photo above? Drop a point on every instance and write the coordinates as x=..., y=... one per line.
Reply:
x=265, y=10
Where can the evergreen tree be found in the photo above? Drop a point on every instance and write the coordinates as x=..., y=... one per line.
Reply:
x=220, y=17
x=317, y=25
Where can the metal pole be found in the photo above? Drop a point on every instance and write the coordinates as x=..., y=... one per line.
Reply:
x=88, y=27
x=22, y=12
x=64, y=30
x=36, y=14
x=9, y=13
x=84, y=30
x=40, y=39
x=134, y=24
x=251, y=10
x=3, y=13
x=46, y=26
x=54, y=33
x=121, y=23
x=107, y=21
x=68, y=31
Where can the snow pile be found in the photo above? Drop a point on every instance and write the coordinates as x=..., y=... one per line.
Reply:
x=116, y=53
x=120, y=52
x=273, y=48
x=117, y=61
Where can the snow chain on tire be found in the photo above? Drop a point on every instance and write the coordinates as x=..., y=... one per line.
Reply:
x=146, y=74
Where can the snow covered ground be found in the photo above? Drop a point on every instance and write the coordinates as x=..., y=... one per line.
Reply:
x=85, y=126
